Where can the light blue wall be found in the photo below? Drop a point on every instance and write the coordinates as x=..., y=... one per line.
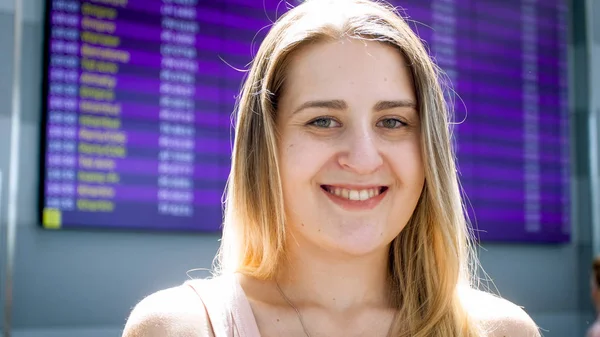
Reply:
x=84, y=283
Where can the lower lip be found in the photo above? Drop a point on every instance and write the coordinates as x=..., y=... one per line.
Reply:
x=356, y=205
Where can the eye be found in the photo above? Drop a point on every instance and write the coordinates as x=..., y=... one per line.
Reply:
x=324, y=122
x=391, y=123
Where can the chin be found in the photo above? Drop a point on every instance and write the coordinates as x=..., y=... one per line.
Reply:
x=365, y=250
x=359, y=251
x=361, y=240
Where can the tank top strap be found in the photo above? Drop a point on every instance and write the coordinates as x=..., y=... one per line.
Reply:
x=216, y=302
x=227, y=306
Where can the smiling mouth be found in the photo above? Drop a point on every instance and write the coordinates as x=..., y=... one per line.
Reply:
x=355, y=194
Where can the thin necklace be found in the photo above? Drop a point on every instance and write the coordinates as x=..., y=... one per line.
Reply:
x=293, y=307
x=289, y=302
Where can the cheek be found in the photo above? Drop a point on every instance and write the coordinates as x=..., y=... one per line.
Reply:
x=299, y=164
x=298, y=161
x=408, y=164
x=303, y=150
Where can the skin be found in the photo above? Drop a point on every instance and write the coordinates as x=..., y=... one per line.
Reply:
x=366, y=134
x=594, y=330
x=351, y=143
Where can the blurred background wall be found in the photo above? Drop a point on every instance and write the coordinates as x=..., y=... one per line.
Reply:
x=84, y=283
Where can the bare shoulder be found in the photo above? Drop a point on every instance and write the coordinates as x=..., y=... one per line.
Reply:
x=176, y=311
x=594, y=330
x=498, y=316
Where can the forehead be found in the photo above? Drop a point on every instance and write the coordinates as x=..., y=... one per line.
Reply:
x=350, y=67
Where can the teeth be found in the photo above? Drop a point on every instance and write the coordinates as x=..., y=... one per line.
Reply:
x=354, y=194
x=364, y=195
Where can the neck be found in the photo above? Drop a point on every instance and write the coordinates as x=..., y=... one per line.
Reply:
x=314, y=277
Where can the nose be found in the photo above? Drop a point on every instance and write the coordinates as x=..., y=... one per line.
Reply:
x=361, y=154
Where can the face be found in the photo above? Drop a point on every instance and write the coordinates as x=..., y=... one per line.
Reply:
x=349, y=149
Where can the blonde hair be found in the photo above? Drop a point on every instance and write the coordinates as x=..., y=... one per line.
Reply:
x=430, y=258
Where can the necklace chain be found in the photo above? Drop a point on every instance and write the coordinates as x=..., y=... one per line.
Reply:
x=289, y=302
x=293, y=307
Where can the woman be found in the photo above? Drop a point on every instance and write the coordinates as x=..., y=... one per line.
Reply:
x=343, y=213
x=594, y=330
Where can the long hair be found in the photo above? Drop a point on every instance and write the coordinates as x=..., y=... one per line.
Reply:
x=431, y=258
x=596, y=271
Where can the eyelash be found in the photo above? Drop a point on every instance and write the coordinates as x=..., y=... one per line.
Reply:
x=399, y=123
x=324, y=118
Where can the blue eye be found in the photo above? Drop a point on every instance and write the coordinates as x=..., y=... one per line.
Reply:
x=391, y=123
x=324, y=122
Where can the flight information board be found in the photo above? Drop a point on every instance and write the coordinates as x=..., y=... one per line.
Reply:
x=138, y=96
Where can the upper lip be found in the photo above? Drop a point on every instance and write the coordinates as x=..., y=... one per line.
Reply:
x=353, y=186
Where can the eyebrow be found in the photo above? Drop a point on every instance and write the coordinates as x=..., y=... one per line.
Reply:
x=337, y=104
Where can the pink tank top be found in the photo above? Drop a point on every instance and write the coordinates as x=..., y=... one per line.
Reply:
x=227, y=306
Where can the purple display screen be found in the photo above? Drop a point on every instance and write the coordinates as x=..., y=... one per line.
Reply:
x=139, y=95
